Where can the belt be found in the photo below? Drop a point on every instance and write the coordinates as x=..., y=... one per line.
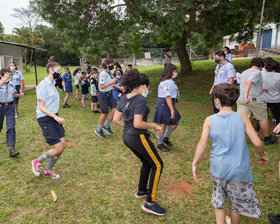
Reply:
x=6, y=104
x=254, y=99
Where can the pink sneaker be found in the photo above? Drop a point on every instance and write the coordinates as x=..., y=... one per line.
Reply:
x=50, y=173
x=36, y=167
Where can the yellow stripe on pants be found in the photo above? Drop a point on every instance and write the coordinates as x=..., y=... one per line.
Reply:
x=158, y=165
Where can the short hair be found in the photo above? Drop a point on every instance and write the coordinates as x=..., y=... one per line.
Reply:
x=129, y=65
x=167, y=72
x=66, y=67
x=133, y=79
x=271, y=65
x=4, y=70
x=87, y=62
x=94, y=70
x=220, y=54
x=106, y=62
x=257, y=61
x=51, y=65
x=227, y=49
x=226, y=93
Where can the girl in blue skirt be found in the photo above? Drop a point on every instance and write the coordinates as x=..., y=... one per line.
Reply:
x=165, y=112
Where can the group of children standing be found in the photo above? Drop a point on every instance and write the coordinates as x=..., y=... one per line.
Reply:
x=230, y=163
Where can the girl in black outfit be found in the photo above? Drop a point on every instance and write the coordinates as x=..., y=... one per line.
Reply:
x=133, y=107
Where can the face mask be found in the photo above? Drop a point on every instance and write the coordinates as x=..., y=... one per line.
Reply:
x=85, y=65
x=56, y=75
x=217, y=61
x=145, y=94
x=111, y=67
x=13, y=68
x=174, y=75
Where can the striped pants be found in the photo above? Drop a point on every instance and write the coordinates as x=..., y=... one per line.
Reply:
x=152, y=164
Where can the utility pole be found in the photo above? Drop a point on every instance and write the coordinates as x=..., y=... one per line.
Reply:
x=260, y=30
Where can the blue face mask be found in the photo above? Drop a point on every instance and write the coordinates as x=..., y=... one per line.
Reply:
x=217, y=61
x=145, y=94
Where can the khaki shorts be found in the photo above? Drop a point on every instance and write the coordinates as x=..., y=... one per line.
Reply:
x=257, y=108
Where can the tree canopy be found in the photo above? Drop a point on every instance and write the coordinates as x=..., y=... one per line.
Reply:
x=96, y=26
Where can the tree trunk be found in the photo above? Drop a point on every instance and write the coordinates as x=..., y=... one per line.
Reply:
x=24, y=58
x=186, y=67
x=30, y=60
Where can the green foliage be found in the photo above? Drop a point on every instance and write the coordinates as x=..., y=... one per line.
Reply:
x=1, y=31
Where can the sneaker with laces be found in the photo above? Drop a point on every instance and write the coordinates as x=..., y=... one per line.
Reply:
x=167, y=142
x=108, y=131
x=141, y=194
x=153, y=209
x=36, y=167
x=100, y=134
x=163, y=148
x=50, y=173
x=269, y=140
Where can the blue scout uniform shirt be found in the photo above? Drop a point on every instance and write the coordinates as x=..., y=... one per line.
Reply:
x=117, y=82
x=167, y=88
x=17, y=77
x=229, y=155
x=47, y=92
x=7, y=91
x=224, y=72
x=229, y=57
x=67, y=78
x=104, y=77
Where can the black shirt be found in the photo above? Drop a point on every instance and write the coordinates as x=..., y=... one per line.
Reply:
x=129, y=107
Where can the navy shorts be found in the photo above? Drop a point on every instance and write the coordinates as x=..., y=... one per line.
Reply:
x=52, y=130
x=162, y=113
x=94, y=99
x=106, y=100
x=77, y=86
x=16, y=98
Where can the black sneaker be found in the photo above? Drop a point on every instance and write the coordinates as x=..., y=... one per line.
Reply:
x=77, y=98
x=141, y=194
x=274, y=218
x=153, y=209
x=66, y=106
x=167, y=142
x=163, y=148
x=269, y=140
x=108, y=130
x=100, y=134
x=95, y=112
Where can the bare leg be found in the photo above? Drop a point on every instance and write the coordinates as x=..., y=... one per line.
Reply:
x=102, y=118
x=58, y=148
x=77, y=93
x=111, y=115
x=66, y=98
x=220, y=215
x=235, y=218
x=265, y=127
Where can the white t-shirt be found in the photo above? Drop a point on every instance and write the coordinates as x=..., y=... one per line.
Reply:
x=271, y=80
x=77, y=78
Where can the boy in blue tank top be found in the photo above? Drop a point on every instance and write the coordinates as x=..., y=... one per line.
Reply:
x=230, y=162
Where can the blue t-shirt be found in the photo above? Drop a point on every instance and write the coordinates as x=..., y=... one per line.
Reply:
x=229, y=155
x=67, y=78
x=47, y=92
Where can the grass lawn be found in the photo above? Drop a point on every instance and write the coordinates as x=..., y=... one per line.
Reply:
x=99, y=177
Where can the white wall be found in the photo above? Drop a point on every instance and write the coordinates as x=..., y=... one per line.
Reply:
x=13, y=51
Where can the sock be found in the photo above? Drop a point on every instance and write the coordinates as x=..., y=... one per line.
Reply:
x=160, y=138
x=64, y=103
x=100, y=126
x=52, y=161
x=45, y=156
x=107, y=125
x=16, y=109
x=168, y=131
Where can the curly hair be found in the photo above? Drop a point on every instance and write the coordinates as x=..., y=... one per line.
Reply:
x=226, y=93
x=271, y=65
x=257, y=61
x=133, y=79
x=106, y=62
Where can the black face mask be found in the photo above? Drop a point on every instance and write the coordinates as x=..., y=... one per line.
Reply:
x=56, y=75
x=111, y=67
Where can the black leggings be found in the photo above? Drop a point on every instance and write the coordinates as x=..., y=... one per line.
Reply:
x=152, y=164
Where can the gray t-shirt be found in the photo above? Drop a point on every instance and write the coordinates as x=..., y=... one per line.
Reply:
x=271, y=80
x=129, y=107
x=255, y=76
